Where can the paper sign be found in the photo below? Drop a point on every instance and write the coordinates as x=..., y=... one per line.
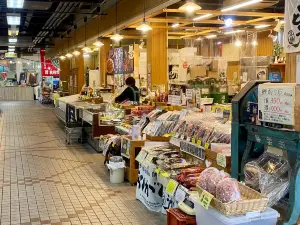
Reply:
x=193, y=140
x=205, y=199
x=171, y=187
x=199, y=142
x=176, y=100
x=170, y=99
x=180, y=193
x=206, y=146
x=221, y=160
x=148, y=160
x=164, y=174
x=157, y=170
x=141, y=156
x=276, y=104
x=189, y=94
x=172, y=134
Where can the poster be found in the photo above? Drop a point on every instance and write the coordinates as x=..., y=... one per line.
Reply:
x=118, y=60
x=49, y=67
x=128, y=59
x=292, y=26
x=148, y=190
x=110, y=62
x=276, y=104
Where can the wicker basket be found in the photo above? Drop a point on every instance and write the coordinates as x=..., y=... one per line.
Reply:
x=252, y=201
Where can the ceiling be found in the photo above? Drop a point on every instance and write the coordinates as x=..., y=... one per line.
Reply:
x=42, y=21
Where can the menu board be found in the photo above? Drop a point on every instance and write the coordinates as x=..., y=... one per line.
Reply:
x=276, y=103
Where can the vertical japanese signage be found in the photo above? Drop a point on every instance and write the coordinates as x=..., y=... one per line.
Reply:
x=292, y=26
x=276, y=103
x=49, y=67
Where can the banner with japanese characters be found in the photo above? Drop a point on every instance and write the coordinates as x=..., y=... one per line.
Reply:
x=49, y=67
x=292, y=26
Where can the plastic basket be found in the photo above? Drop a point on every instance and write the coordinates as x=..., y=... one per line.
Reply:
x=252, y=201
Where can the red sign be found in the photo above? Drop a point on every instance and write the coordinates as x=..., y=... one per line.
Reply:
x=49, y=67
x=185, y=65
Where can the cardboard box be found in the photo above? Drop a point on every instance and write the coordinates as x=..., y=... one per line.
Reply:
x=214, y=75
x=198, y=71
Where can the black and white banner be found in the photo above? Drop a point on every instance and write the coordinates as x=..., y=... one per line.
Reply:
x=292, y=26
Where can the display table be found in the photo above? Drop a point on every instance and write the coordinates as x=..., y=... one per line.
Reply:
x=17, y=93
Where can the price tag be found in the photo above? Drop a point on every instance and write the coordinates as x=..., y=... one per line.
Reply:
x=148, y=160
x=157, y=170
x=180, y=193
x=101, y=137
x=127, y=151
x=164, y=174
x=221, y=160
x=206, y=146
x=172, y=134
x=113, y=145
x=205, y=199
x=167, y=135
x=199, y=142
x=171, y=187
x=188, y=139
x=177, y=135
x=141, y=156
x=182, y=137
x=193, y=140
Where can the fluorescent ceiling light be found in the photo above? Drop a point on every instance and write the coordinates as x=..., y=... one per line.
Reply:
x=241, y=5
x=211, y=36
x=233, y=32
x=116, y=37
x=11, y=50
x=228, y=22
x=12, y=40
x=13, y=31
x=262, y=26
x=17, y=4
x=13, y=19
x=144, y=27
x=175, y=25
x=202, y=17
x=190, y=6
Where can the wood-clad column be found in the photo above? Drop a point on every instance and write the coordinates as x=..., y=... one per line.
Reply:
x=79, y=64
x=103, y=60
x=291, y=68
x=157, y=47
x=64, y=69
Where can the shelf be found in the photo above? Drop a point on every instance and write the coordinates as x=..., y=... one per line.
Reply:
x=278, y=64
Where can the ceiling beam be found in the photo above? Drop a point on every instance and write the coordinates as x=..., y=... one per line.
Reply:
x=230, y=13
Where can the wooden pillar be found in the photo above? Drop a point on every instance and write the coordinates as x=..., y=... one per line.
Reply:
x=291, y=68
x=157, y=47
x=103, y=60
x=79, y=64
x=64, y=69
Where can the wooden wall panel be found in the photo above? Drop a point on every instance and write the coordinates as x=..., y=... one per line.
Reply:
x=79, y=64
x=103, y=60
x=291, y=63
x=157, y=44
x=265, y=46
x=64, y=69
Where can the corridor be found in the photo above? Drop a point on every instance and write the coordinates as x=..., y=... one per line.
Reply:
x=44, y=181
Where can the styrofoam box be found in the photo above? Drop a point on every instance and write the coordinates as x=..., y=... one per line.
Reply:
x=213, y=217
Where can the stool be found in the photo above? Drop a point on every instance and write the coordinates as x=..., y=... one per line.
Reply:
x=177, y=217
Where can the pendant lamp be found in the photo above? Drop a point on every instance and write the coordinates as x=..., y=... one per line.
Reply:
x=76, y=52
x=85, y=49
x=98, y=42
x=144, y=26
x=116, y=37
x=62, y=57
x=190, y=6
x=68, y=55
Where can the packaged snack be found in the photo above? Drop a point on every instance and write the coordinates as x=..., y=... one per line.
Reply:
x=228, y=191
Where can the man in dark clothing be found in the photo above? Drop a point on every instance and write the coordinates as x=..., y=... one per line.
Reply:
x=131, y=93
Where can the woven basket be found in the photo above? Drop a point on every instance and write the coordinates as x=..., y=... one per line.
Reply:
x=252, y=201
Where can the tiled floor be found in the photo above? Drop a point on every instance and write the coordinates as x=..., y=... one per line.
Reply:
x=44, y=181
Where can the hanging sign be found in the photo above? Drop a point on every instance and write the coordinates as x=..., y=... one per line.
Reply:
x=276, y=103
x=292, y=26
x=49, y=67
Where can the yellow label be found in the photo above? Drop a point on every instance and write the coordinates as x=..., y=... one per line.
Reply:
x=206, y=146
x=101, y=137
x=193, y=140
x=127, y=151
x=205, y=199
x=172, y=134
x=113, y=145
x=157, y=170
x=199, y=142
x=164, y=174
x=167, y=135
x=171, y=187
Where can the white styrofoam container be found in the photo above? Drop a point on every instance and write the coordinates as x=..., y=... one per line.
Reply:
x=213, y=217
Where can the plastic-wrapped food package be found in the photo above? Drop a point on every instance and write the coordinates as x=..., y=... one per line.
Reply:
x=228, y=191
x=270, y=175
x=205, y=175
x=214, y=180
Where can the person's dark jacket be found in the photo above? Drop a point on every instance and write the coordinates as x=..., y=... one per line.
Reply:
x=130, y=93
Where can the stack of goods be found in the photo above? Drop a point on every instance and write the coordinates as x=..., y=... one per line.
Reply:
x=229, y=196
x=141, y=110
x=110, y=145
x=164, y=124
x=204, y=129
x=270, y=175
x=150, y=117
x=124, y=128
x=189, y=177
x=161, y=97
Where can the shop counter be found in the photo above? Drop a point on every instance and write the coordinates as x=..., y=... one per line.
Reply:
x=17, y=93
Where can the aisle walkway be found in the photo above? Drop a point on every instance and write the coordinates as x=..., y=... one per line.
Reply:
x=44, y=181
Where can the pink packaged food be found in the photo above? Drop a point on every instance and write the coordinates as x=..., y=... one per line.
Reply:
x=228, y=191
x=205, y=175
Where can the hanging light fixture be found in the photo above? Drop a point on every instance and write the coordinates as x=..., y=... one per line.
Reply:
x=76, y=52
x=62, y=57
x=144, y=26
x=68, y=55
x=116, y=37
x=85, y=49
x=190, y=6
x=98, y=42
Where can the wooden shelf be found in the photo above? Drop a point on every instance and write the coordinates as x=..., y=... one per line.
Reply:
x=278, y=64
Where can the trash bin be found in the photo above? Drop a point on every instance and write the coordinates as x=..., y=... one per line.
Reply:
x=116, y=170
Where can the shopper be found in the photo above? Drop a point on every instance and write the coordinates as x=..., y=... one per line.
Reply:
x=131, y=93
